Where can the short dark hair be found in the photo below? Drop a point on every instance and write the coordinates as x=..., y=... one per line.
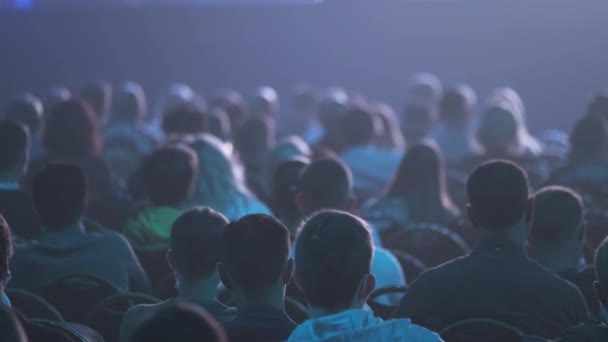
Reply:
x=598, y=106
x=99, y=96
x=558, y=215
x=254, y=136
x=326, y=184
x=285, y=187
x=26, y=109
x=255, y=250
x=180, y=321
x=59, y=194
x=457, y=103
x=6, y=248
x=333, y=252
x=168, y=174
x=14, y=142
x=359, y=126
x=498, y=194
x=71, y=130
x=130, y=103
x=590, y=135
x=185, y=119
x=195, y=241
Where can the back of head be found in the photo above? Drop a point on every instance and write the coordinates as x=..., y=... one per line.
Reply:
x=28, y=110
x=418, y=122
x=14, y=142
x=598, y=106
x=59, y=193
x=498, y=195
x=195, y=242
x=304, y=98
x=332, y=108
x=333, y=253
x=71, y=131
x=285, y=187
x=425, y=90
x=589, y=136
x=265, y=102
x=219, y=124
x=168, y=174
x=6, y=250
x=457, y=104
x=233, y=103
x=497, y=131
x=98, y=96
x=254, y=137
x=359, y=126
x=184, y=322
x=184, y=119
x=11, y=329
x=420, y=172
x=326, y=184
x=255, y=250
x=390, y=135
x=558, y=216
x=130, y=103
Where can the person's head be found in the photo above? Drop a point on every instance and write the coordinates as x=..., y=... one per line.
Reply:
x=176, y=95
x=390, y=135
x=195, y=244
x=498, y=199
x=99, y=96
x=326, y=184
x=168, y=175
x=254, y=137
x=425, y=90
x=71, y=131
x=417, y=123
x=304, y=100
x=184, y=119
x=233, y=104
x=218, y=123
x=359, y=126
x=332, y=108
x=59, y=193
x=497, y=131
x=285, y=188
x=6, y=252
x=598, y=106
x=28, y=110
x=180, y=321
x=333, y=261
x=11, y=329
x=265, y=102
x=130, y=103
x=457, y=104
x=557, y=226
x=589, y=136
x=255, y=262
x=14, y=146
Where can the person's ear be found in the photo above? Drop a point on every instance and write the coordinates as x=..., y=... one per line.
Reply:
x=224, y=275
x=600, y=294
x=171, y=259
x=288, y=271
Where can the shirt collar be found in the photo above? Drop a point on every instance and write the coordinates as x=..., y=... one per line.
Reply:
x=500, y=246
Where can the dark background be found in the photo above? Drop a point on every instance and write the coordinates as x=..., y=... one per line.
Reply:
x=553, y=52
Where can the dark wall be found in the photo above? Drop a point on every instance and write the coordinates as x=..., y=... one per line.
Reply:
x=553, y=52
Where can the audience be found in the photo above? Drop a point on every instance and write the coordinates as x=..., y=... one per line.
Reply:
x=557, y=238
x=332, y=108
x=425, y=90
x=496, y=281
x=418, y=193
x=368, y=163
x=389, y=136
x=65, y=248
x=194, y=252
x=99, y=97
x=184, y=119
x=28, y=110
x=333, y=258
x=16, y=205
x=284, y=194
x=255, y=266
x=417, y=123
x=453, y=134
x=218, y=124
x=182, y=322
x=265, y=103
x=233, y=104
x=304, y=120
x=327, y=184
x=6, y=253
x=220, y=184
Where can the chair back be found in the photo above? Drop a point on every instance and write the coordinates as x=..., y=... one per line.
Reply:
x=32, y=305
x=106, y=316
x=481, y=329
x=75, y=294
x=382, y=310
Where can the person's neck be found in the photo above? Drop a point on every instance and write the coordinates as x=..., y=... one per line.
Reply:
x=203, y=288
x=273, y=297
x=318, y=312
x=515, y=235
x=557, y=260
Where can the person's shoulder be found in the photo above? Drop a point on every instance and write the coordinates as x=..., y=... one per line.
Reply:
x=403, y=328
x=552, y=281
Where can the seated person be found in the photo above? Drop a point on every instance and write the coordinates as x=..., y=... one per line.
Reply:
x=557, y=238
x=11, y=329
x=195, y=251
x=594, y=332
x=28, y=110
x=496, y=280
x=285, y=188
x=16, y=205
x=327, y=184
x=182, y=322
x=368, y=163
x=65, y=247
x=255, y=266
x=334, y=253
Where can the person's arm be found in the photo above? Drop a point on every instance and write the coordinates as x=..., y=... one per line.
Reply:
x=138, y=279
